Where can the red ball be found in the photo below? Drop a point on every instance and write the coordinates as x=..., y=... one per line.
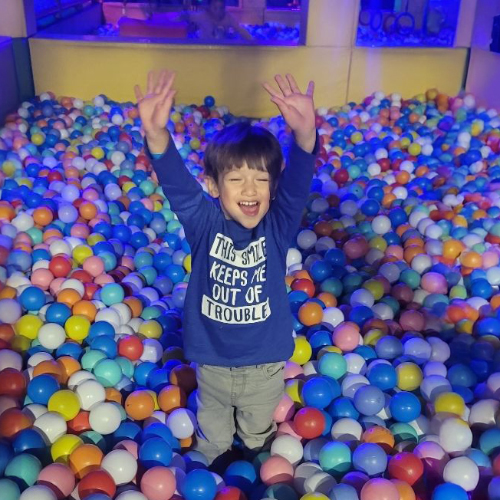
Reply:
x=97, y=481
x=406, y=467
x=304, y=285
x=341, y=176
x=13, y=421
x=60, y=266
x=385, y=164
x=230, y=493
x=12, y=383
x=130, y=347
x=309, y=422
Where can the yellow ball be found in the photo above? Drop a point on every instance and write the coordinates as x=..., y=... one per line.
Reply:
x=414, y=149
x=379, y=243
x=449, y=402
x=375, y=288
x=293, y=389
x=63, y=446
x=97, y=153
x=66, y=403
x=155, y=399
x=314, y=496
x=28, y=326
x=8, y=168
x=187, y=263
x=328, y=348
x=81, y=253
x=373, y=336
x=20, y=343
x=409, y=376
x=356, y=138
x=77, y=327
x=150, y=329
x=405, y=142
x=95, y=238
x=302, y=352
x=127, y=186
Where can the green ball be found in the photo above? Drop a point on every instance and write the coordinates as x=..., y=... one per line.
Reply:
x=23, y=469
x=10, y=490
x=91, y=358
x=332, y=364
x=108, y=372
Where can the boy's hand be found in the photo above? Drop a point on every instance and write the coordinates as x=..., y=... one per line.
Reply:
x=154, y=109
x=297, y=109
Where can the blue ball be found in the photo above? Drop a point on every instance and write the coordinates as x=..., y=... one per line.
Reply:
x=343, y=492
x=41, y=388
x=369, y=400
x=405, y=407
x=199, y=484
x=449, y=491
x=32, y=298
x=155, y=451
x=242, y=475
x=318, y=392
x=57, y=313
x=209, y=101
x=383, y=376
x=389, y=347
x=370, y=458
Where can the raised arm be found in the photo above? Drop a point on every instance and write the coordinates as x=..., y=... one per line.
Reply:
x=181, y=189
x=298, y=111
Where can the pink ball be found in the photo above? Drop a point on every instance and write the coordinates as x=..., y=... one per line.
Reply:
x=94, y=266
x=288, y=428
x=127, y=262
x=55, y=285
x=276, y=469
x=131, y=446
x=356, y=247
x=381, y=489
x=7, y=402
x=412, y=320
x=346, y=336
x=293, y=370
x=103, y=279
x=80, y=231
x=42, y=278
x=490, y=259
x=59, y=478
x=285, y=409
x=158, y=483
x=434, y=283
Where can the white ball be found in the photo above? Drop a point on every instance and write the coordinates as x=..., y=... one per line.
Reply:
x=288, y=447
x=182, y=423
x=51, y=335
x=346, y=430
x=455, y=435
x=482, y=413
x=332, y=316
x=38, y=492
x=462, y=471
x=320, y=482
x=121, y=465
x=302, y=473
x=51, y=426
x=105, y=418
x=90, y=393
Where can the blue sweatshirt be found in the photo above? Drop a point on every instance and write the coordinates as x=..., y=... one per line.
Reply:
x=236, y=311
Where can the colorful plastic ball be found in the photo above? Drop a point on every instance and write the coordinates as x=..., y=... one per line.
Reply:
x=383, y=376
x=38, y=492
x=155, y=451
x=409, y=376
x=455, y=435
x=404, y=407
x=41, y=388
x=59, y=478
x=23, y=469
x=199, y=485
x=406, y=467
x=139, y=405
x=32, y=298
x=121, y=465
x=449, y=402
x=449, y=491
x=309, y=422
x=335, y=458
x=370, y=458
x=105, y=418
x=302, y=352
x=379, y=488
x=158, y=483
x=462, y=471
x=369, y=400
x=64, y=402
x=318, y=393
x=10, y=490
x=276, y=469
x=96, y=481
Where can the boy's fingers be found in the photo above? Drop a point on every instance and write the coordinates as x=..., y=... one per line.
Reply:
x=150, y=86
x=310, y=89
x=170, y=77
x=282, y=106
x=270, y=90
x=283, y=85
x=161, y=82
x=138, y=93
x=293, y=83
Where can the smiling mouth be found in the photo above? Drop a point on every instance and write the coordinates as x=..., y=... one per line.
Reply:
x=249, y=208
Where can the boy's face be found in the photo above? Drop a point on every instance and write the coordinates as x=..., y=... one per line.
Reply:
x=244, y=194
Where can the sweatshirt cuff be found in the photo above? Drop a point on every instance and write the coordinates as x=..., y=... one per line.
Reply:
x=300, y=151
x=156, y=156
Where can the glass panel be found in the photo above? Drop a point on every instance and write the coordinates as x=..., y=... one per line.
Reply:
x=428, y=23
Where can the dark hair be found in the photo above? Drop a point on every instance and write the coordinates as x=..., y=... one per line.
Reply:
x=243, y=143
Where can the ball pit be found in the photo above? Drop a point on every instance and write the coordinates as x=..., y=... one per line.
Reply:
x=393, y=389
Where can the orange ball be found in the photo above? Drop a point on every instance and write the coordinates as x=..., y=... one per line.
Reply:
x=328, y=299
x=139, y=405
x=452, y=249
x=69, y=297
x=135, y=306
x=472, y=260
x=43, y=216
x=88, y=210
x=404, y=489
x=49, y=367
x=379, y=435
x=85, y=308
x=185, y=377
x=171, y=397
x=310, y=313
x=84, y=459
x=68, y=366
x=113, y=394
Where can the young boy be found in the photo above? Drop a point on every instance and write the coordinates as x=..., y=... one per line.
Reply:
x=237, y=321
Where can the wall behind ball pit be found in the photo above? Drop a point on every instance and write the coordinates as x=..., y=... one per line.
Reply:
x=9, y=95
x=484, y=68
x=232, y=74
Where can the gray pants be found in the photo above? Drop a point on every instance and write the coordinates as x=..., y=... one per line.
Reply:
x=249, y=393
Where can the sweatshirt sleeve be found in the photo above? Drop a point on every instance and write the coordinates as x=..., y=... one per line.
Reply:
x=186, y=196
x=293, y=190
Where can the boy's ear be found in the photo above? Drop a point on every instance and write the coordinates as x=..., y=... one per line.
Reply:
x=213, y=189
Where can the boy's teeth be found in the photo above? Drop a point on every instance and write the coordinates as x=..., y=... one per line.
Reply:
x=248, y=203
